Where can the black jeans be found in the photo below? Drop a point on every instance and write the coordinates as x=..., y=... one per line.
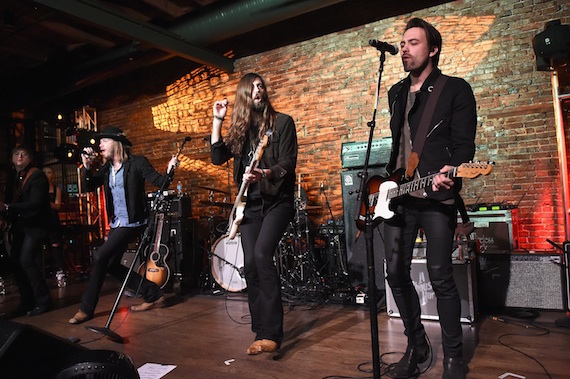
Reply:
x=27, y=265
x=260, y=237
x=438, y=222
x=108, y=259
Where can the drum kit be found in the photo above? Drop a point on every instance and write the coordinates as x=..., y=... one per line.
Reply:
x=294, y=256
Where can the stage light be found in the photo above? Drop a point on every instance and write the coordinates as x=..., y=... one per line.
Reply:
x=86, y=138
x=67, y=153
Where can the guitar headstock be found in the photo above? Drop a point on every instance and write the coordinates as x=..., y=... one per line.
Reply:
x=474, y=169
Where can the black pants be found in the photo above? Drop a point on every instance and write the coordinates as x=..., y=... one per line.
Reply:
x=108, y=259
x=438, y=222
x=260, y=237
x=27, y=265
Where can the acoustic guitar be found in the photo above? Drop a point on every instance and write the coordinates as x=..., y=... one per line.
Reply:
x=156, y=269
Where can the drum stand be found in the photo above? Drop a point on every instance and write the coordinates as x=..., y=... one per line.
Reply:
x=296, y=265
x=338, y=273
x=208, y=284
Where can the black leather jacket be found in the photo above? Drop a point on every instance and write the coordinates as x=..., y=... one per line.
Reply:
x=451, y=134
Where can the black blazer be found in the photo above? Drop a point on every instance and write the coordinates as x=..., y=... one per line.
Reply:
x=451, y=135
x=136, y=170
x=30, y=208
x=280, y=156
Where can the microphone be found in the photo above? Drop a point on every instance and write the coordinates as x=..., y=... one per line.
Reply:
x=322, y=187
x=384, y=46
x=92, y=154
x=187, y=139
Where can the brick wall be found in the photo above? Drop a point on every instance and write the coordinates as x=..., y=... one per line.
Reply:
x=328, y=85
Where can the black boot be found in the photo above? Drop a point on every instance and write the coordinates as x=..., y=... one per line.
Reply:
x=454, y=368
x=407, y=367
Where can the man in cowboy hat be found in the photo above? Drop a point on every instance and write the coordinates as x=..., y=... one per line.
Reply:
x=122, y=176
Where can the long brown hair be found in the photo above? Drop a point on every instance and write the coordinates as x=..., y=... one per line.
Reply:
x=243, y=114
x=121, y=151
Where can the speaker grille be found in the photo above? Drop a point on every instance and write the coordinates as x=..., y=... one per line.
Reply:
x=355, y=242
x=521, y=281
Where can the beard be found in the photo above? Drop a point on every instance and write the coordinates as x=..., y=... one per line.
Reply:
x=258, y=107
x=415, y=69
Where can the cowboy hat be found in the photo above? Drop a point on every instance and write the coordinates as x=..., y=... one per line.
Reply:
x=115, y=133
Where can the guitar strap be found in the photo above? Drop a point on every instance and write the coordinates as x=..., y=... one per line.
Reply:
x=421, y=134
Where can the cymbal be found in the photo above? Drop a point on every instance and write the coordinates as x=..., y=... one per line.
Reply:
x=214, y=189
x=216, y=203
x=313, y=207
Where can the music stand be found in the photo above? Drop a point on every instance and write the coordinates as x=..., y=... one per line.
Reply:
x=156, y=205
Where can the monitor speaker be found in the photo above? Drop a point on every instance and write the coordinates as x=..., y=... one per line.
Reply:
x=28, y=352
x=356, y=257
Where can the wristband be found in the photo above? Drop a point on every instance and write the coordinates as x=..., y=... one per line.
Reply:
x=263, y=174
x=218, y=117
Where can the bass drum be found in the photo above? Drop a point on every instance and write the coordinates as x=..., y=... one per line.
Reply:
x=227, y=263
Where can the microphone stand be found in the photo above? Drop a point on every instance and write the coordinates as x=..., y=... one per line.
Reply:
x=157, y=203
x=363, y=203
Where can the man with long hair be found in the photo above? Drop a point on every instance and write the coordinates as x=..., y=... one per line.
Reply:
x=123, y=177
x=270, y=198
x=448, y=141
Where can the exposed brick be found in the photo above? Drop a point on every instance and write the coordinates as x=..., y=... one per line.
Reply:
x=328, y=85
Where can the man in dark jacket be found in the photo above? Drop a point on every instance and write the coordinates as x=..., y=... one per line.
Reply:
x=269, y=207
x=449, y=142
x=28, y=209
x=123, y=178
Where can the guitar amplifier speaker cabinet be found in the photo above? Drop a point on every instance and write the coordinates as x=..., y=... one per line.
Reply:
x=465, y=275
x=178, y=207
x=496, y=230
x=353, y=154
x=355, y=241
x=521, y=280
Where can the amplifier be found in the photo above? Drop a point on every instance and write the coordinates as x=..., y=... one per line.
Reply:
x=496, y=230
x=521, y=280
x=353, y=154
x=464, y=273
x=331, y=228
x=175, y=206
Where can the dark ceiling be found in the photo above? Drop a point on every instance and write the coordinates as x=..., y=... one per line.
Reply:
x=53, y=51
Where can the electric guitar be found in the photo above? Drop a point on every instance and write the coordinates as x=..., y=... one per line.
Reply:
x=156, y=269
x=384, y=190
x=236, y=216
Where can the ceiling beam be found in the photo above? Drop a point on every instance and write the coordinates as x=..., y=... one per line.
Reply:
x=160, y=38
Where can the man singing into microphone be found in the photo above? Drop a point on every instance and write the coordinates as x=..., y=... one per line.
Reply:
x=122, y=176
x=448, y=137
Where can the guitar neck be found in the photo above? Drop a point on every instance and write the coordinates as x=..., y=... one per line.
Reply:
x=159, y=225
x=417, y=184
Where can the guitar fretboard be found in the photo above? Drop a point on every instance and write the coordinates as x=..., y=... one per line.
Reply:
x=408, y=187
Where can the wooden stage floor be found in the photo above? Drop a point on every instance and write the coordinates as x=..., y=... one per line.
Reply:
x=199, y=333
